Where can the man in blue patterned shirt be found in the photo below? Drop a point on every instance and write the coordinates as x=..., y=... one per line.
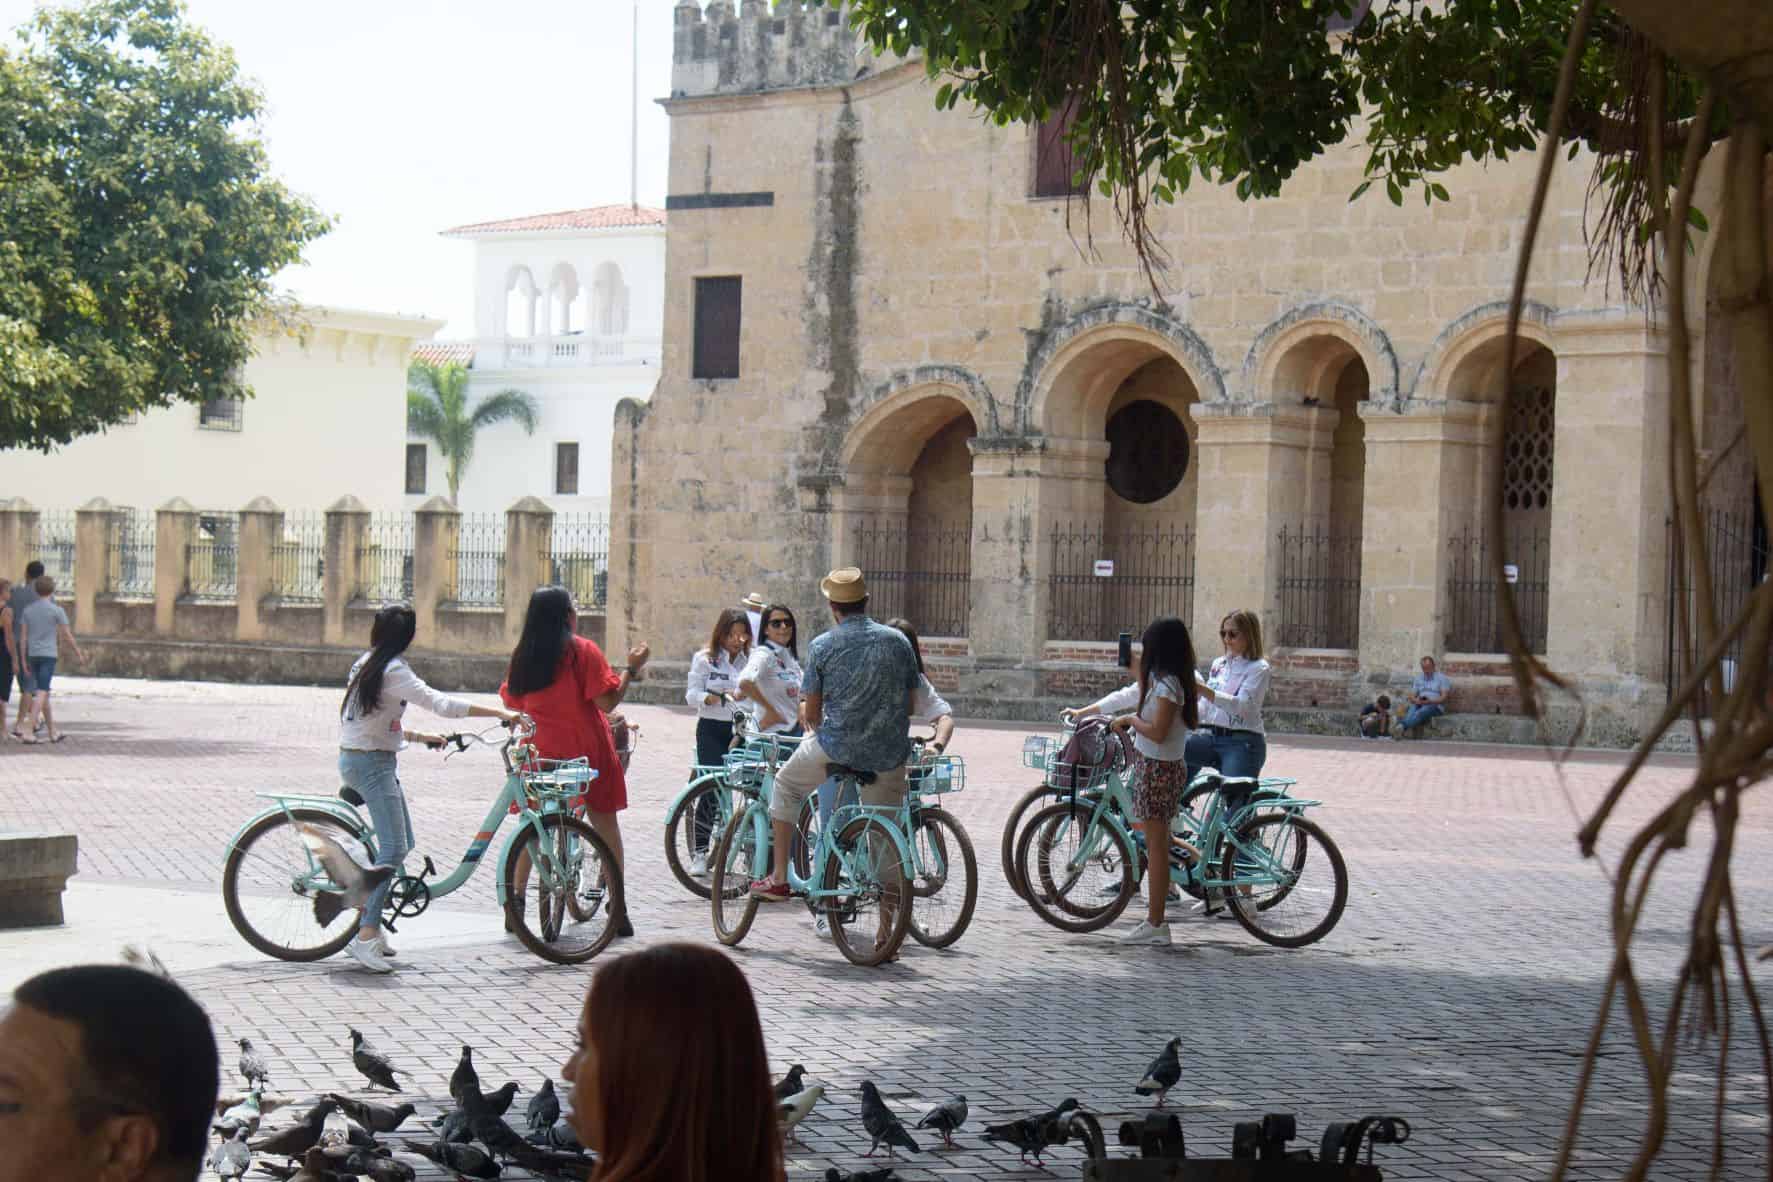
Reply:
x=856, y=701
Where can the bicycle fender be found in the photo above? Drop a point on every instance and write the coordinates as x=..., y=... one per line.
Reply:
x=689, y=789
x=341, y=812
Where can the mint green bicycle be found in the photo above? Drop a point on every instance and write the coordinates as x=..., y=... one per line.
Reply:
x=559, y=885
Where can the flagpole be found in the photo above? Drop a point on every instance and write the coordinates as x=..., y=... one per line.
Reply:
x=634, y=120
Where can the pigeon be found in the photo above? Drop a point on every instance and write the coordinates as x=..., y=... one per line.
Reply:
x=1162, y=1075
x=946, y=1119
x=359, y=882
x=881, y=1124
x=352, y=1159
x=297, y=1139
x=557, y=1163
x=883, y=1174
x=244, y=1115
x=544, y=1108
x=467, y=1160
x=464, y=1081
x=339, y=1129
x=454, y=1127
x=1032, y=1134
x=252, y=1066
x=499, y=1137
x=145, y=960
x=389, y=1169
x=377, y=1118
x=791, y=1083
x=559, y=1135
x=797, y=1108
x=499, y=1103
x=232, y=1157
x=314, y=1168
x=373, y=1064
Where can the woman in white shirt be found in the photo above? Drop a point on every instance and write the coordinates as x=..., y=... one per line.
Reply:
x=1231, y=737
x=371, y=735
x=713, y=675
x=771, y=676
x=1163, y=701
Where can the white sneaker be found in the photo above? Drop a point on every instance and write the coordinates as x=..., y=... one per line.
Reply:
x=385, y=948
x=1144, y=933
x=699, y=864
x=368, y=953
x=822, y=927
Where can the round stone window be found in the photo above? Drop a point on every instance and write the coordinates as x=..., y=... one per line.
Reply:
x=1147, y=451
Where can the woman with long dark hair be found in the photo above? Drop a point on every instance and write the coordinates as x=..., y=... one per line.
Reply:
x=670, y=1080
x=371, y=733
x=771, y=677
x=562, y=681
x=713, y=678
x=1164, y=711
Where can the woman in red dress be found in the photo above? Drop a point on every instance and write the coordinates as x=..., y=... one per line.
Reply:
x=562, y=681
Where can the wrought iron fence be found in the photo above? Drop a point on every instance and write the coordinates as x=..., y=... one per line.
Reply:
x=1109, y=580
x=55, y=548
x=921, y=572
x=298, y=559
x=129, y=555
x=1474, y=609
x=1320, y=587
x=479, y=558
x=384, y=560
x=578, y=558
x=1736, y=553
x=212, y=559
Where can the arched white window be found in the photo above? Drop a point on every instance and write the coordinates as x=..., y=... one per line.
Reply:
x=610, y=296
x=520, y=303
x=566, y=308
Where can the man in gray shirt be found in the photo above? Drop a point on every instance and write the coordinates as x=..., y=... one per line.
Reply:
x=1428, y=697
x=40, y=627
x=22, y=594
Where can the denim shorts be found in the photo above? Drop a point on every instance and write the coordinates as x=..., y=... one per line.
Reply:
x=39, y=671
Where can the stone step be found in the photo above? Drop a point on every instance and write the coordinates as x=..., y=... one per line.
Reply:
x=34, y=870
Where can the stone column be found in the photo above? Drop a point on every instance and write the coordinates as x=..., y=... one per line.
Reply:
x=347, y=524
x=18, y=536
x=95, y=525
x=1421, y=479
x=175, y=527
x=434, y=528
x=1256, y=463
x=261, y=528
x=1608, y=612
x=868, y=500
x=529, y=531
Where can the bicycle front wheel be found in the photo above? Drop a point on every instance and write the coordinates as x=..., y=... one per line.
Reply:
x=865, y=893
x=269, y=882
x=735, y=863
x=568, y=907
x=683, y=852
x=1286, y=881
x=1012, y=831
x=1080, y=875
x=947, y=884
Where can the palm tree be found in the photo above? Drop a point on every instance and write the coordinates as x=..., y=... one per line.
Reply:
x=437, y=409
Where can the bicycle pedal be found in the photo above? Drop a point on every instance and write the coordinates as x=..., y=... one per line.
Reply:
x=429, y=870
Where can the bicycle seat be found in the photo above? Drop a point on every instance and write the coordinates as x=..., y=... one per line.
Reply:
x=349, y=795
x=844, y=771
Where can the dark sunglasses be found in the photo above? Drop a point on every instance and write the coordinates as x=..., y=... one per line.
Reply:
x=784, y=621
x=1224, y=635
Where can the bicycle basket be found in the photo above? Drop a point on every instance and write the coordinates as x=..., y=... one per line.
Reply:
x=553, y=778
x=941, y=774
x=1089, y=757
x=744, y=770
x=1037, y=751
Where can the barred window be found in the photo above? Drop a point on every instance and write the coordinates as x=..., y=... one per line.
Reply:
x=416, y=457
x=220, y=414
x=566, y=469
x=1054, y=161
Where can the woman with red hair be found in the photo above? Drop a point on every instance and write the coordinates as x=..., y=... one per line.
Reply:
x=670, y=1081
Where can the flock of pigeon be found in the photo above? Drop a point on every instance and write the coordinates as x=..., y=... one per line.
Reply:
x=335, y=1139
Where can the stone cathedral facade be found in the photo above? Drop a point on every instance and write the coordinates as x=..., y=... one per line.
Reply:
x=893, y=338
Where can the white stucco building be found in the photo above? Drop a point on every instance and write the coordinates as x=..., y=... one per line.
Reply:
x=568, y=308
x=328, y=409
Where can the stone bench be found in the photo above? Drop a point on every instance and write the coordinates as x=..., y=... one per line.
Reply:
x=34, y=870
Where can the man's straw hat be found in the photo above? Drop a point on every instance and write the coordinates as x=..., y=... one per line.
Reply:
x=844, y=585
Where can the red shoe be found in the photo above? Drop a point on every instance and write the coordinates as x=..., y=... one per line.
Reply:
x=765, y=891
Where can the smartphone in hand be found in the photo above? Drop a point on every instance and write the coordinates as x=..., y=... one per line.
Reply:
x=1125, y=655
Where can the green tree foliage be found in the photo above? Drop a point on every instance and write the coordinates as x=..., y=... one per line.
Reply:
x=139, y=222
x=1245, y=92
x=437, y=409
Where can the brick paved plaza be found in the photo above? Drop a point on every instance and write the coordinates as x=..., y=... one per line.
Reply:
x=1457, y=991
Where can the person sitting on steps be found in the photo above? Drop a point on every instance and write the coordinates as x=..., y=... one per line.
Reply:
x=1428, y=699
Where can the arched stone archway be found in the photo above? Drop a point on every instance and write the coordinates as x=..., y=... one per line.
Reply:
x=904, y=510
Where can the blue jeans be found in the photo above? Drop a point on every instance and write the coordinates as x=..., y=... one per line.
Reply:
x=1236, y=753
x=1418, y=715
x=373, y=774
x=828, y=801
x=40, y=672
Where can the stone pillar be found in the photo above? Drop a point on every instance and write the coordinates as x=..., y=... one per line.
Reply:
x=434, y=528
x=1422, y=471
x=1608, y=612
x=529, y=532
x=347, y=524
x=18, y=536
x=95, y=525
x=866, y=500
x=630, y=548
x=1256, y=463
x=261, y=528
x=175, y=527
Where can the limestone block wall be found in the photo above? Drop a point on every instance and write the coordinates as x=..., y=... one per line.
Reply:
x=1335, y=359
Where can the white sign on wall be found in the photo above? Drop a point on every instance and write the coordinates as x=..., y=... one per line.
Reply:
x=1511, y=573
x=1104, y=568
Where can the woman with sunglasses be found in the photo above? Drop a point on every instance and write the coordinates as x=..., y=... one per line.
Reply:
x=1231, y=737
x=771, y=676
